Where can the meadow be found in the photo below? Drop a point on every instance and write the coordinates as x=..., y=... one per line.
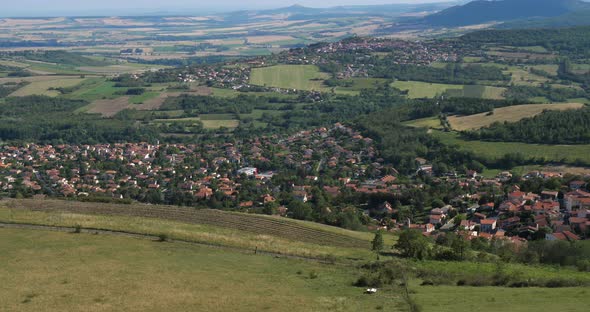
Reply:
x=417, y=89
x=300, y=77
x=506, y=114
x=46, y=87
x=496, y=150
x=237, y=230
x=48, y=271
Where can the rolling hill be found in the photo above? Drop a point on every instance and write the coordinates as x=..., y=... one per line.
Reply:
x=481, y=11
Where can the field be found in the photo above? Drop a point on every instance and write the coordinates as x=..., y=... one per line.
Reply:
x=229, y=229
x=43, y=87
x=417, y=89
x=54, y=271
x=300, y=77
x=47, y=271
x=495, y=150
x=506, y=114
x=430, y=122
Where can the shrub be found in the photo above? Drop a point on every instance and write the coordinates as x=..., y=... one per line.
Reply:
x=162, y=238
x=77, y=229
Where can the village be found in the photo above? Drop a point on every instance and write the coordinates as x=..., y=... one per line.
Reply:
x=269, y=174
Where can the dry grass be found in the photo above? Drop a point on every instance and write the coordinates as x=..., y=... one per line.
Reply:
x=506, y=114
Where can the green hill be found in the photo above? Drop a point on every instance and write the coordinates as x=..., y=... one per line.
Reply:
x=479, y=12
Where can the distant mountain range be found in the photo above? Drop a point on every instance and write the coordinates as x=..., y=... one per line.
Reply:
x=535, y=13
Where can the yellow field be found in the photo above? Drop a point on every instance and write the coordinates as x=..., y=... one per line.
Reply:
x=42, y=87
x=216, y=124
x=508, y=114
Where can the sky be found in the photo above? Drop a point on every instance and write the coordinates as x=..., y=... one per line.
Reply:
x=98, y=7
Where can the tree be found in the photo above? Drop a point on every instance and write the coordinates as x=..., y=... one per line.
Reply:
x=413, y=244
x=459, y=245
x=377, y=243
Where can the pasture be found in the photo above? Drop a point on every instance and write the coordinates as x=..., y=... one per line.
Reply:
x=430, y=122
x=43, y=87
x=238, y=230
x=506, y=114
x=418, y=89
x=300, y=77
x=496, y=150
x=49, y=271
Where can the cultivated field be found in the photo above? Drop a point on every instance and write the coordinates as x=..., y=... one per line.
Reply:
x=301, y=77
x=506, y=114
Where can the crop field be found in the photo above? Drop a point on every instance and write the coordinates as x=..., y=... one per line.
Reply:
x=301, y=77
x=49, y=271
x=417, y=89
x=495, y=150
x=43, y=87
x=506, y=114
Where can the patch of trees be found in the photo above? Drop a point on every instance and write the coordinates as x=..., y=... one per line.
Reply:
x=550, y=127
x=525, y=93
x=52, y=120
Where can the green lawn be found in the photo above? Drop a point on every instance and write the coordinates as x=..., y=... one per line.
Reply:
x=301, y=77
x=494, y=150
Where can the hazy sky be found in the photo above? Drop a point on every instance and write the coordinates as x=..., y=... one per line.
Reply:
x=56, y=7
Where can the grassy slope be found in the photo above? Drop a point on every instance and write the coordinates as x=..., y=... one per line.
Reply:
x=336, y=241
x=46, y=271
x=289, y=77
x=506, y=114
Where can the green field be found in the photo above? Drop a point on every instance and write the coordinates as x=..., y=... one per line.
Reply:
x=495, y=150
x=417, y=89
x=42, y=87
x=47, y=271
x=57, y=271
x=300, y=77
x=430, y=122
x=282, y=235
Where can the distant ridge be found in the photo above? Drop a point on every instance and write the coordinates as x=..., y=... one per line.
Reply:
x=485, y=11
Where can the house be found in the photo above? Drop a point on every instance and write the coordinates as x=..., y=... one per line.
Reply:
x=436, y=219
x=487, y=225
x=249, y=171
x=576, y=185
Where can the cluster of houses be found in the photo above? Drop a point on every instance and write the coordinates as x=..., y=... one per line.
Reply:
x=516, y=215
x=399, y=51
x=132, y=170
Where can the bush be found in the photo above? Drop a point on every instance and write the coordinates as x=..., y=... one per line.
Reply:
x=77, y=229
x=162, y=238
